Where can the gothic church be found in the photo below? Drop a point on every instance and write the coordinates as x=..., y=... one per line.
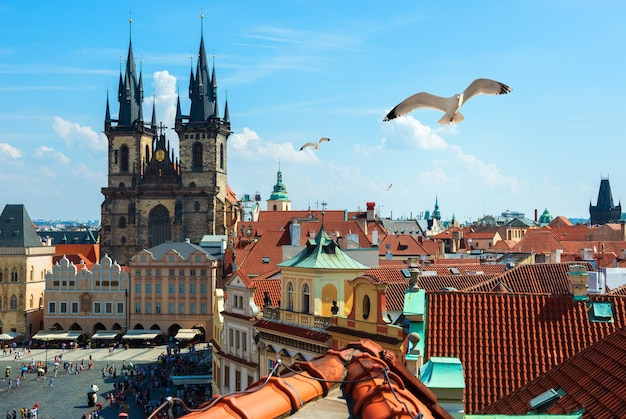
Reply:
x=151, y=195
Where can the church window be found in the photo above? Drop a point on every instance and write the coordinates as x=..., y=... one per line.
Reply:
x=197, y=156
x=147, y=153
x=14, y=277
x=122, y=222
x=125, y=157
x=221, y=156
x=159, y=225
x=123, y=239
x=13, y=304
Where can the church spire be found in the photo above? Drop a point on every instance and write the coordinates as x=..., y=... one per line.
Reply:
x=202, y=102
x=107, y=115
x=130, y=93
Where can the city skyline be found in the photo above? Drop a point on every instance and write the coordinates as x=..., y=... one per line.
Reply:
x=295, y=72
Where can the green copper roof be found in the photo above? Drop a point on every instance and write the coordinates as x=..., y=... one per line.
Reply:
x=322, y=253
x=280, y=190
x=442, y=372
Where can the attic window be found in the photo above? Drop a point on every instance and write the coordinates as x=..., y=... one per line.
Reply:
x=405, y=272
x=542, y=402
x=266, y=259
x=601, y=312
x=10, y=220
x=16, y=233
x=455, y=271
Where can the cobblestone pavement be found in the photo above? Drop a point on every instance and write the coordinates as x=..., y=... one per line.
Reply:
x=67, y=397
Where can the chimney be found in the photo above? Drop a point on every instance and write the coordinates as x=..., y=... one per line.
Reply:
x=414, y=270
x=536, y=215
x=578, y=277
x=370, y=211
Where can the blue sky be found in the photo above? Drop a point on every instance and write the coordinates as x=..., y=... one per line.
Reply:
x=295, y=71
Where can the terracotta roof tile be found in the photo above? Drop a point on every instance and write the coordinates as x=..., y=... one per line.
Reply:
x=593, y=382
x=506, y=340
x=401, y=245
x=538, y=241
x=551, y=278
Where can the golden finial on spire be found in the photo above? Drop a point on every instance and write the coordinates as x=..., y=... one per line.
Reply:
x=130, y=24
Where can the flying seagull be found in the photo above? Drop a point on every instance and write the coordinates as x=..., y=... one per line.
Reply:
x=449, y=105
x=389, y=187
x=315, y=145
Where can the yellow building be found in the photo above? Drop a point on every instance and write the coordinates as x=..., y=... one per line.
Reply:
x=172, y=287
x=23, y=263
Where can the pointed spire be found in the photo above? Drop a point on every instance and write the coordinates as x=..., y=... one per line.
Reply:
x=130, y=93
x=216, y=111
x=202, y=102
x=153, y=124
x=107, y=115
x=226, y=113
x=179, y=114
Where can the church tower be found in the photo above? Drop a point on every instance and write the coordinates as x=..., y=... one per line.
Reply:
x=151, y=195
x=604, y=211
x=279, y=198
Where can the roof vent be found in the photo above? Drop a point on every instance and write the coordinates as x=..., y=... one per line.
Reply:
x=455, y=271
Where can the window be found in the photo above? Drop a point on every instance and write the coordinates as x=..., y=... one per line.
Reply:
x=120, y=308
x=202, y=288
x=237, y=339
x=137, y=307
x=97, y=308
x=171, y=272
x=157, y=272
x=231, y=339
x=74, y=307
x=366, y=307
x=14, y=277
x=137, y=272
x=52, y=307
x=171, y=258
x=192, y=289
x=171, y=288
x=192, y=308
x=157, y=308
x=197, y=156
x=108, y=308
x=122, y=222
x=244, y=341
x=157, y=288
x=148, y=288
x=138, y=288
x=181, y=308
x=202, y=308
x=192, y=272
x=290, y=296
x=124, y=162
x=305, y=298
x=148, y=308
x=171, y=308
x=148, y=272
x=237, y=380
x=227, y=376
x=181, y=272
x=221, y=156
x=63, y=307
x=202, y=272
x=181, y=288
x=198, y=258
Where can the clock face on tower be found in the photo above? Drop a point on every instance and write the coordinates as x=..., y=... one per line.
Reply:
x=160, y=155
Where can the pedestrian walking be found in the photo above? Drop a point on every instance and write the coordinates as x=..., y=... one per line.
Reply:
x=10, y=386
x=51, y=383
x=17, y=382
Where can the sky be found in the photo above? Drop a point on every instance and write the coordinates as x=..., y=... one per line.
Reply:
x=295, y=71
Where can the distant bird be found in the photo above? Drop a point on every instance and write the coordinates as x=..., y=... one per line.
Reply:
x=315, y=145
x=449, y=105
x=389, y=187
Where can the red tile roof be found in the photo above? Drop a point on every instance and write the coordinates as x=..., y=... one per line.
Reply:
x=550, y=278
x=506, y=340
x=593, y=381
x=539, y=241
x=403, y=245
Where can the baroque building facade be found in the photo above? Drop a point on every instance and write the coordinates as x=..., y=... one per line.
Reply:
x=151, y=195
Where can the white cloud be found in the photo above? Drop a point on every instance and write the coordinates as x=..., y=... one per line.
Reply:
x=409, y=132
x=72, y=132
x=248, y=146
x=48, y=153
x=9, y=150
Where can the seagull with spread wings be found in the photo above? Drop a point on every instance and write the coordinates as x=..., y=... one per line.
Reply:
x=449, y=105
x=315, y=145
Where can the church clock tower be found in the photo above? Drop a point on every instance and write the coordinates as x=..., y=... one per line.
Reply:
x=151, y=196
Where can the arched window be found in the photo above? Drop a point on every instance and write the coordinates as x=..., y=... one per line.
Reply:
x=31, y=301
x=197, y=156
x=305, y=298
x=122, y=222
x=159, y=225
x=14, y=277
x=13, y=304
x=147, y=153
x=125, y=158
x=123, y=239
x=0, y=276
x=221, y=156
x=289, y=296
x=366, y=307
